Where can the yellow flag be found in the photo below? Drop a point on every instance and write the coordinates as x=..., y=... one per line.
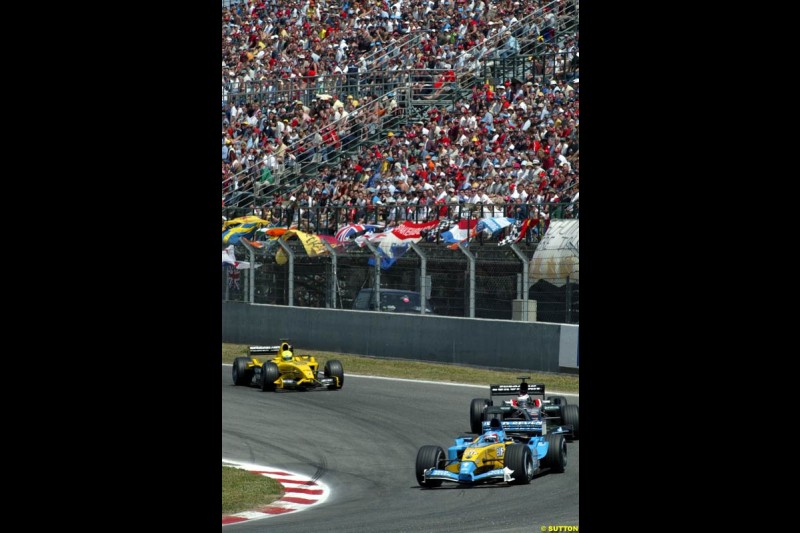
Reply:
x=311, y=243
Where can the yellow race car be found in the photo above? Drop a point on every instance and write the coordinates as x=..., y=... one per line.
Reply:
x=285, y=370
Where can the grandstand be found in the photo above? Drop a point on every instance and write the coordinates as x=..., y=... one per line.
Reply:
x=359, y=108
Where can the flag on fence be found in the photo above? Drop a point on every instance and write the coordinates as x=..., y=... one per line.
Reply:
x=443, y=225
x=272, y=233
x=312, y=244
x=242, y=220
x=235, y=229
x=492, y=225
x=394, y=243
x=229, y=259
x=516, y=232
x=351, y=231
x=329, y=239
x=460, y=232
x=233, y=276
x=254, y=244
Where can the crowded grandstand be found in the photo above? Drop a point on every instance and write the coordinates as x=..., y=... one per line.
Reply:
x=348, y=112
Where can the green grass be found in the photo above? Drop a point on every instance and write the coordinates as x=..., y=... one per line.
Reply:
x=243, y=490
x=405, y=368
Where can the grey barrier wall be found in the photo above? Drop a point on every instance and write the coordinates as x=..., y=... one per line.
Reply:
x=471, y=341
x=568, y=347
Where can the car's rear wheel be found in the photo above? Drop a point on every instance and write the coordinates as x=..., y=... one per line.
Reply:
x=241, y=374
x=429, y=457
x=569, y=416
x=269, y=375
x=556, y=457
x=333, y=369
x=476, y=410
x=520, y=460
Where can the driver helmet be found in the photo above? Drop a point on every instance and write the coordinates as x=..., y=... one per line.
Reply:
x=535, y=402
x=287, y=355
x=527, y=401
x=490, y=437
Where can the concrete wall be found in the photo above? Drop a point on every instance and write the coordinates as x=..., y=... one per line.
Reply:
x=568, y=346
x=480, y=342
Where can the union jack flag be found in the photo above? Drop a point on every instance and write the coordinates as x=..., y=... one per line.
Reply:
x=233, y=277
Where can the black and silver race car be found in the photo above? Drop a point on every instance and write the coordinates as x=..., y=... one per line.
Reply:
x=529, y=412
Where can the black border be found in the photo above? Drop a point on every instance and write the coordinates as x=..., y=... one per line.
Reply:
x=145, y=257
x=650, y=360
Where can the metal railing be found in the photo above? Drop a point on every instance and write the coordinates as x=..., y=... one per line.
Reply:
x=490, y=284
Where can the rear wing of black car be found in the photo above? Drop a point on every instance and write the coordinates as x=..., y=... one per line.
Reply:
x=534, y=389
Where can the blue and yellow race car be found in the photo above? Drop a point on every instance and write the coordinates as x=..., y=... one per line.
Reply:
x=493, y=456
x=285, y=370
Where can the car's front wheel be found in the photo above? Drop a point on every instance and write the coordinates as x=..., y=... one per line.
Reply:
x=333, y=369
x=241, y=374
x=269, y=375
x=556, y=457
x=429, y=457
x=520, y=460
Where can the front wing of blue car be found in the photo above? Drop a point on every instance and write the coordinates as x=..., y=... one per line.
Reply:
x=466, y=476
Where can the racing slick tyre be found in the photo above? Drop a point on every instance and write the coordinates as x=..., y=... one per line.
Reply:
x=520, y=460
x=556, y=457
x=476, y=409
x=241, y=374
x=429, y=457
x=569, y=416
x=558, y=400
x=269, y=374
x=333, y=369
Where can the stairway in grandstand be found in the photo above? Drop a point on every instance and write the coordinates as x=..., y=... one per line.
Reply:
x=483, y=66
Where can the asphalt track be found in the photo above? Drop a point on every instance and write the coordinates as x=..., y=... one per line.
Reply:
x=362, y=442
